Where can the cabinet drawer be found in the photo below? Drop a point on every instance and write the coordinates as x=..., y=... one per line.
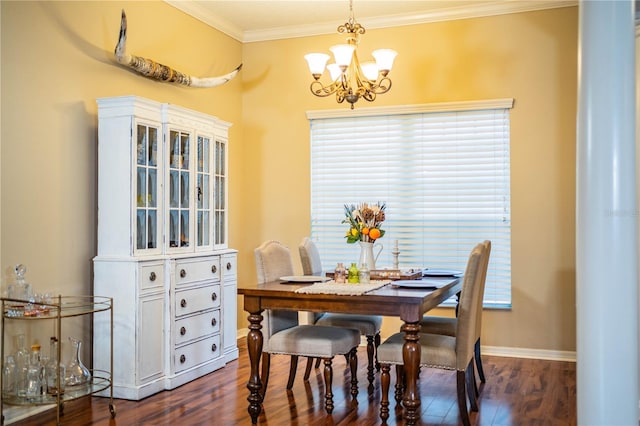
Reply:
x=229, y=266
x=196, y=353
x=189, y=271
x=197, y=299
x=195, y=327
x=151, y=276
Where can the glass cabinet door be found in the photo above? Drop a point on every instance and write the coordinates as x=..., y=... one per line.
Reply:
x=219, y=194
x=147, y=231
x=179, y=195
x=203, y=192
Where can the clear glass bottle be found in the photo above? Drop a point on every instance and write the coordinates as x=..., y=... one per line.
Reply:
x=9, y=377
x=34, y=373
x=21, y=357
x=54, y=370
x=352, y=276
x=77, y=374
x=364, y=274
x=340, y=274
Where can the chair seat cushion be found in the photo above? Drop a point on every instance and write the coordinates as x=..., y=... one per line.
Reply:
x=439, y=325
x=436, y=350
x=368, y=325
x=313, y=341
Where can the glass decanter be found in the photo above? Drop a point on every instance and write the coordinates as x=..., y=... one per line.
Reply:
x=77, y=374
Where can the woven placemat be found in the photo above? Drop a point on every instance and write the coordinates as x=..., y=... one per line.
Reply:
x=348, y=289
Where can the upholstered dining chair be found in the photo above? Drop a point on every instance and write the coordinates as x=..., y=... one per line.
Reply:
x=367, y=325
x=441, y=351
x=447, y=325
x=284, y=335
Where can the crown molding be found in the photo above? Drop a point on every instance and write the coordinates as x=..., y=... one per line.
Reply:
x=503, y=7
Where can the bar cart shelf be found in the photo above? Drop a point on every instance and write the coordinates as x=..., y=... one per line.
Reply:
x=60, y=308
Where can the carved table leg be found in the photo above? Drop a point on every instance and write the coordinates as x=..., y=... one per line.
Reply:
x=411, y=360
x=254, y=346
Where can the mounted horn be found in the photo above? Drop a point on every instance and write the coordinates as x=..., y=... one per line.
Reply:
x=161, y=72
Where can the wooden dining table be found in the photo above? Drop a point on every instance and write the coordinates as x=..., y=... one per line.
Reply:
x=409, y=304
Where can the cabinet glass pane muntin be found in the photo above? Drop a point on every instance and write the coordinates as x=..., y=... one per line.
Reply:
x=179, y=187
x=146, y=187
x=219, y=195
x=202, y=190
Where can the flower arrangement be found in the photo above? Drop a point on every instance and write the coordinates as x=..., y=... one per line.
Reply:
x=364, y=222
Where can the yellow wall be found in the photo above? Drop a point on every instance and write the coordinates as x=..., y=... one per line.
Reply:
x=56, y=59
x=530, y=57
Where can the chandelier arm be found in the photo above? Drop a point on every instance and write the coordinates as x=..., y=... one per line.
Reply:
x=381, y=86
x=319, y=89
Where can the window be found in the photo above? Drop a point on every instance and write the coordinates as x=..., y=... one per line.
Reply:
x=443, y=172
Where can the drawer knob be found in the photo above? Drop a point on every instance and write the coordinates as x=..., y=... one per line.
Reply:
x=214, y=269
x=183, y=331
x=228, y=266
x=152, y=276
x=183, y=273
x=214, y=347
x=182, y=359
x=214, y=321
x=214, y=296
x=183, y=303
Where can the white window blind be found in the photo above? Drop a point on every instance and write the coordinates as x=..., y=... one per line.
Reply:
x=444, y=177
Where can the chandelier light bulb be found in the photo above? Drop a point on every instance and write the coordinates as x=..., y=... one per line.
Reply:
x=334, y=71
x=343, y=54
x=316, y=62
x=384, y=59
x=370, y=70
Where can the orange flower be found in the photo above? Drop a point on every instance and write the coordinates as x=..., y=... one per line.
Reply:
x=365, y=231
x=374, y=233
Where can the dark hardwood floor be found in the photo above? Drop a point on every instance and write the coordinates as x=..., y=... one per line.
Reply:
x=517, y=392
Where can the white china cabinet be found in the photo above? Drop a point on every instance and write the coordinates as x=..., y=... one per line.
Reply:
x=162, y=245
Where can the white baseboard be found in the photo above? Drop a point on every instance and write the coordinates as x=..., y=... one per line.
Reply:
x=551, y=355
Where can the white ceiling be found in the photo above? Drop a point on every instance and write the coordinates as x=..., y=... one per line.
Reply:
x=257, y=20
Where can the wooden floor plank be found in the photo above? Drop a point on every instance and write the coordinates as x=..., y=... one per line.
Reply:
x=517, y=392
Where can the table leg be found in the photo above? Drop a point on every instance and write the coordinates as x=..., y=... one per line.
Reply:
x=411, y=360
x=254, y=346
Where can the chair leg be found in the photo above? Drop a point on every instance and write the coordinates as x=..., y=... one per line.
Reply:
x=471, y=386
x=328, y=380
x=353, y=363
x=307, y=369
x=462, y=398
x=370, y=353
x=292, y=371
x=318, y=362
x=479, y=361
x=377, y=343
x=266, y=363
x=385, y=380
x=400, y=383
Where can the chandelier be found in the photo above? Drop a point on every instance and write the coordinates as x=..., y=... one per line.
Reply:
x=351, y=80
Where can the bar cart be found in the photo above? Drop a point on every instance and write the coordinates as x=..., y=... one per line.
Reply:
x=57, y=309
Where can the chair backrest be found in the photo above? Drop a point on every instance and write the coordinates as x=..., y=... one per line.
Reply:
x=485, y=268
x=310, y=257
x=273, y=260
x=468, y=306
x=311, y=265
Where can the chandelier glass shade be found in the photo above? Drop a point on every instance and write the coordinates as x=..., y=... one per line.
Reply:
x=350, y=79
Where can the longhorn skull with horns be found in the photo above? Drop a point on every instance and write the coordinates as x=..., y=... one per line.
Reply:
x=161, y=72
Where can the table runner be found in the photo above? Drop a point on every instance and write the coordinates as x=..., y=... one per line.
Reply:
x=348, y=289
